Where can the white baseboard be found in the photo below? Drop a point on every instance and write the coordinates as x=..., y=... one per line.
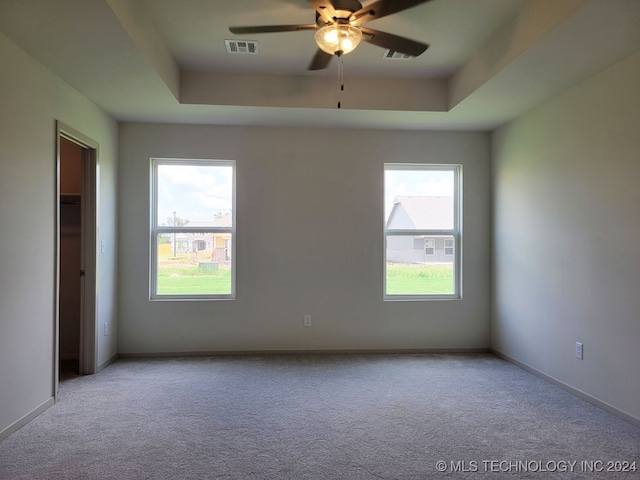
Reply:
x=222, y=353
x=107, y=362
x=574, y=391
x=11, y=429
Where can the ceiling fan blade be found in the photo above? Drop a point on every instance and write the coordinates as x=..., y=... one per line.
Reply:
x=271, y=28
x=320, y=60
x=382, y=8
x=393, y=42
x=324, y=9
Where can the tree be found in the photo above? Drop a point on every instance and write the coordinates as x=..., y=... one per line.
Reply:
x=176, y=221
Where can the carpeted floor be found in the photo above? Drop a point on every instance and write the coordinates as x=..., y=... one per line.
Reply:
x=342, y=417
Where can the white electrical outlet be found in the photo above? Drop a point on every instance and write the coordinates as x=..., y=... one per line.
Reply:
x=106, y=328
x=307, y=320
x=579, y=350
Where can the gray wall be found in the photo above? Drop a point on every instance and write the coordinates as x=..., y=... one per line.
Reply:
x=566, y=245
x=32, y=99
x=310, y=239
x=566, y=258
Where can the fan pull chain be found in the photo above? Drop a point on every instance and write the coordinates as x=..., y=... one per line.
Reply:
x=340, y=75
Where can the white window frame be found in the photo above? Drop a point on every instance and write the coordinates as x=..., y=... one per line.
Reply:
x=157, y=230
x=452, y=246
x=455, y=232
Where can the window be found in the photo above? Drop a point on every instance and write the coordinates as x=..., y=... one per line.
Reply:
x=192, y=229
x=448, y=246
x=429, y=246
x=422, y=231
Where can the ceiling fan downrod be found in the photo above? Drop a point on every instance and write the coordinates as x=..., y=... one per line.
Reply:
x=340, y=74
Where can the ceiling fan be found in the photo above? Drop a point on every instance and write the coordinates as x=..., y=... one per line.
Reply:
x=339, y=28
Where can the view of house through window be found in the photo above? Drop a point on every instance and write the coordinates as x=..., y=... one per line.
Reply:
x=193, y=229
x=422, y=240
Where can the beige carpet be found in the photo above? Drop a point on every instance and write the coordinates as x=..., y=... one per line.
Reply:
x=318, y=417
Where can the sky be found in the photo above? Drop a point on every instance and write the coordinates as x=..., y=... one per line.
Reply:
x=199, y=192
x=415, y=182
x=194, y=192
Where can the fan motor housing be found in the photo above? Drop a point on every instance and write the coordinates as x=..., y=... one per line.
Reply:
x=343, y=10
x=346, y=5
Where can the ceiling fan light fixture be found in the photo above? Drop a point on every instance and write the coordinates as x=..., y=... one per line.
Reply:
x=338, y=39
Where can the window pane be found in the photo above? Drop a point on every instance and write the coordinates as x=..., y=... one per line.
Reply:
x=196, y=263
x=421, y=230
x=194, y=195
x=448, y=246
x=429, y=246
x=419, y=199
x=414, y=269
x=196, y=257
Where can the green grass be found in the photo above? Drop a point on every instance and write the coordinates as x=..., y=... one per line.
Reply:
x=401, y=279
x=189, y=271
x=419, y=279
x=192, y=281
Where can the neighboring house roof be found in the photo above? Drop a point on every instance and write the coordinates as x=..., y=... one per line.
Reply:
x=224, y=221
x=421, y=212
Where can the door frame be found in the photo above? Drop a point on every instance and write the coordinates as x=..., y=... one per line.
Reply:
x=89, y=257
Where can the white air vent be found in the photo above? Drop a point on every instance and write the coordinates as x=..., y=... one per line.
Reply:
x=242, y=46
x=392, y=54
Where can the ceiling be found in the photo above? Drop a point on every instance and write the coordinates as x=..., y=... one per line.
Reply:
x=165, y=60
x=207, y=23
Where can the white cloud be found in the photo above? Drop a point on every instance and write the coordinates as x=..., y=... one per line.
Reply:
x=194, y=192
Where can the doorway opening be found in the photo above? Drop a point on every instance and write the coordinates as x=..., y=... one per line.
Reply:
x=76, y=206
